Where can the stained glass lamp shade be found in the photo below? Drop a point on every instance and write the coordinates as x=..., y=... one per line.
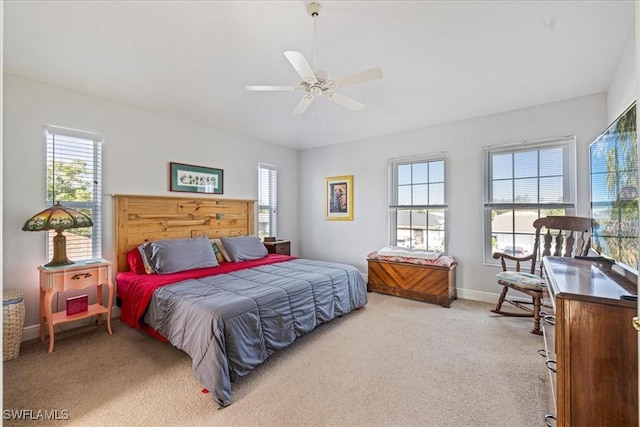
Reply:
x=57, y=218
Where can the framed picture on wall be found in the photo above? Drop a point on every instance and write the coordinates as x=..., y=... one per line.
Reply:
x=338, y=198
x=195, y=179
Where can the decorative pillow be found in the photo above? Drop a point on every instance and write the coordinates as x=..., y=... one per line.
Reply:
x=219, y=257
x=244, y=248
x=145, y=260
x=134, y=259
x=525, y=280
x=221, y=248
x=174, y=255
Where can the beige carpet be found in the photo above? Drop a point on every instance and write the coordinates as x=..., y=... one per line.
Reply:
x=396, y=362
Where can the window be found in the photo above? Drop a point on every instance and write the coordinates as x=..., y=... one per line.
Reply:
x=74, y=178
x=417, y=209
x=267, y=201
x=525, y=181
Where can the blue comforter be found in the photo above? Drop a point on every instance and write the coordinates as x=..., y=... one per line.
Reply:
x=230, y=323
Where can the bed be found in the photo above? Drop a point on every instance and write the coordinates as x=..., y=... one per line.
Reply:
x=228, y=317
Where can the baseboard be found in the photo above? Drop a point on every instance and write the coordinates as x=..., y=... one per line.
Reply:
x=32, y=332
x=489, y=297
x=469, y=294
x=479, y=296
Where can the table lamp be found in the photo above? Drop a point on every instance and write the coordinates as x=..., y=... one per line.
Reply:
x=57, y=218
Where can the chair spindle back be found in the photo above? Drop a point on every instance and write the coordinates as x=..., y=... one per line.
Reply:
x=565, y=236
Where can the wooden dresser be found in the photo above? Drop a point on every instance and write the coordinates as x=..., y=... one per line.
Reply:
x=592, y=350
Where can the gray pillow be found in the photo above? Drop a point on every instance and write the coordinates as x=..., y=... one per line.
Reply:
x=173, y=255
x=244, y=248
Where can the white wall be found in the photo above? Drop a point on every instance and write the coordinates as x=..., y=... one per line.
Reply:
x=138, y=146
x=350, y=241
x=623, y=88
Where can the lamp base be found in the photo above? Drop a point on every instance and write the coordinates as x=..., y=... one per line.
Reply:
x=59, y=251
x=53, y=263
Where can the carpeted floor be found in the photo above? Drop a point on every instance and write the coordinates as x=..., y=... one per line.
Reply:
x=396, y=362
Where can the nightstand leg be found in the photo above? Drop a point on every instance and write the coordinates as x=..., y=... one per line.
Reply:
x=42, y=315
x=47, y=309
x=99, y=301
x=109, y=306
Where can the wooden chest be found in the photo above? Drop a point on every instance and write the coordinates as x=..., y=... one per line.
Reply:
x=429, y=283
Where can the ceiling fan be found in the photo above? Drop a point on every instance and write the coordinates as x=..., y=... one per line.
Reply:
x=317, y=82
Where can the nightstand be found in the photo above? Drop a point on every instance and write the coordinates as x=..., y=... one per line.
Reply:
x=282, y=247
x=80, y=275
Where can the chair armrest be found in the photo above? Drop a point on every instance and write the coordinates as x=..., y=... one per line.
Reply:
x=517, y=260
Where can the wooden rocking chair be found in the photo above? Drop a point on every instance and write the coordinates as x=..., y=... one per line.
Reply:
x=566, y=236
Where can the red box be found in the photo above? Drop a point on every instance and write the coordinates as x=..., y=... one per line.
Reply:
x=77, y=304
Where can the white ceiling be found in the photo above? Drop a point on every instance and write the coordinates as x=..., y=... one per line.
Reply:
x=442, y=60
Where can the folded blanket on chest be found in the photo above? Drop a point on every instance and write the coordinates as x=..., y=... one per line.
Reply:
x=230, y=323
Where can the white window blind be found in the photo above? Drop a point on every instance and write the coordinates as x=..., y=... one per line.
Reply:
x=74, y=179
x=418, y=203
x=267, y=201
x=523, y=182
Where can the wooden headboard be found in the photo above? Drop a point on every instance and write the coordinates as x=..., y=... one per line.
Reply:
x=140, y=219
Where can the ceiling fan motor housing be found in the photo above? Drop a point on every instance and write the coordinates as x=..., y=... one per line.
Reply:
x=313, y=8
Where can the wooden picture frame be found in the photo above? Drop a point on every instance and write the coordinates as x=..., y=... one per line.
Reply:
x=195, y=179
x=338, y=195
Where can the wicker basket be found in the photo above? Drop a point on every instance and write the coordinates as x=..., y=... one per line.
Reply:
x=12, y=323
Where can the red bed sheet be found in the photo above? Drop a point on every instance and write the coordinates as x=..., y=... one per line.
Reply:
x=136, y=290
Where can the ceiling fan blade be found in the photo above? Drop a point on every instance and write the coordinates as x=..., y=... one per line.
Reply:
x=301, y=65
x=303, y=104
x=362, y=76
x=287, y=88
x=345, y=101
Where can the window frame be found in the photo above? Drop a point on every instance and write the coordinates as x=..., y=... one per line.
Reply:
x=95, y=205
x=395, y=206
x=568, y=144
x=272, y=190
